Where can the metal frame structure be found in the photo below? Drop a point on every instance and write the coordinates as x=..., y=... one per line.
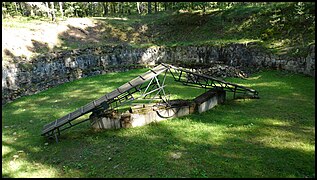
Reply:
x=188, y=77
x=128, y=92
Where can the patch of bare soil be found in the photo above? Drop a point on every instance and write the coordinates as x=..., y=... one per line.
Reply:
x=32, y=39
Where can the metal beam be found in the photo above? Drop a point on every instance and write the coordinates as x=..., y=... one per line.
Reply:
x=124, y=93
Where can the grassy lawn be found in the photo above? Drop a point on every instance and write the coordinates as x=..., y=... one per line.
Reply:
x=273, y=136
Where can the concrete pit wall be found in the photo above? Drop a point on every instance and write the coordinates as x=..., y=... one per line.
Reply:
x=140, y=116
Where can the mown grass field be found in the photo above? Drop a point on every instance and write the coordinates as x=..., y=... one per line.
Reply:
x=273, y=136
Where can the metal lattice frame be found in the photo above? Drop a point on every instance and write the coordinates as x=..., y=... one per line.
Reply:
x=128, y=91
x=144, y=89
x=192, y=78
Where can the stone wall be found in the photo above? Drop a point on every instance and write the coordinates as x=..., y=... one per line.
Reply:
x=20, y=77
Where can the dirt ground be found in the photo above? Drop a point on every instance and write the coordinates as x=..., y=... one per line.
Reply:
x=29, y=39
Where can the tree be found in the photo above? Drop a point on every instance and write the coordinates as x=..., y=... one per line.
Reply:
x=47, y=10
x=16, y=7
x=27, y=9
x=53, y=11
x=121, y=7
x=155, y=7
x=138, y=7
x=113, y=7
x=105, y=8
x=204, y=7
x=149, y=11
x=20, y=7
x=61, y=8
x=129, y=8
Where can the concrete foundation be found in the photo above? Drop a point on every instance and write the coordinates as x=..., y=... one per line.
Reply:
x=146, y=114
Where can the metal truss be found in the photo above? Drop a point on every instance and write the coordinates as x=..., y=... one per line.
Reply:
x=143, y=87
x=190, y=78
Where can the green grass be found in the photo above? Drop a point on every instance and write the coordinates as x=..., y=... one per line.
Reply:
x=277, y=27
x=23, y=22
x=273, y=136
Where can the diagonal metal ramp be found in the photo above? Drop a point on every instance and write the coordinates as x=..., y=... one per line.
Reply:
x=103, y=102
x=188, y=77
x=127, y=91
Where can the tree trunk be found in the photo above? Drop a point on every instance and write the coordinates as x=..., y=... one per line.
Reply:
x=113, y=8
x=31, y=10
x=155, y=7
x=105, y=8
x=4, y=11
x=16, y=7
x=25, y=9
x=53, y=11
x=93, y=7
x=204, y=7
x=86, y=9
x=48, y=10
x=129, y=8
x=122, y=7
x=165, y=6
x=138, y=7
x=20, y=7
x=61, y=8
x=149, y=11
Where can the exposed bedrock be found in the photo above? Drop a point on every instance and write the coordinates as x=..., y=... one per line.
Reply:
x=25, y=77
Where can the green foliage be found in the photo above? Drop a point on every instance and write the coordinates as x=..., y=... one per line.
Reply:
x=88, y=9
x=273, y=136
x=279, y=27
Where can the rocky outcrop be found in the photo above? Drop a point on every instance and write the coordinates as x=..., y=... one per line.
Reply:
x=20, y=77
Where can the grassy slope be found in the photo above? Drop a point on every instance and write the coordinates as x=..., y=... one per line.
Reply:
x=241, y=24
x=273, y=136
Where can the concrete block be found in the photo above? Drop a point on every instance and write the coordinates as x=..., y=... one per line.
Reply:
x=142, y=115
x=183, y=111
x=137, y=120
x=106, y=123
x=212, y=102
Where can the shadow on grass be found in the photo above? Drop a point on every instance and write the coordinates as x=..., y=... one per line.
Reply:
x=241, y=138
x=150, y=152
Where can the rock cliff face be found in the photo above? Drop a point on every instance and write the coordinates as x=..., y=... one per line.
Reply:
x=20, y=78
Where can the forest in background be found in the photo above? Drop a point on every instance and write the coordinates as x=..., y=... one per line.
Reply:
x=99, y=9
x=269, y=137
x=283, y=27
